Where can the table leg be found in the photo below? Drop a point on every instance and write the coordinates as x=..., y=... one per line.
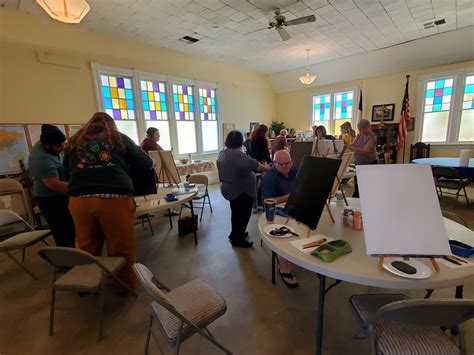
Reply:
x=273, y=266
x=194, y=226
x=171, y=220
x=320, y=314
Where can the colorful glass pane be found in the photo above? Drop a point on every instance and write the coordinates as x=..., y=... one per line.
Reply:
x=117, y=96
x=207, y=104
x=468, y=99
x=183, y=102
x=343, y=102
x=154, y=100
x=321, y=107
x=438, y=95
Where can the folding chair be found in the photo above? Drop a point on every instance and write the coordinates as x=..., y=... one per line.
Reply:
x=450, y=179
x=399, y=325
x=20, y=241
x=202, y=195
x=182, y=312
x=85, y=273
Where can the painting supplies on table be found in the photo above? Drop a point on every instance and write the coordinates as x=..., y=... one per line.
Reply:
x=331, y=251
x=317, y=240
x=461, y=249
x=278, y=232
x=316, y=243
x=455, y=262
x=352, y=218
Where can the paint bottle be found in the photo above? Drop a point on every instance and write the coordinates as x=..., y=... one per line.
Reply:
x=345, y=219
x=357, y=220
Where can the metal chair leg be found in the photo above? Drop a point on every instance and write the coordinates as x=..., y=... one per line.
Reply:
x=21, y=265
x=209, y=199
x=147, y=341
x=149, y=223
x=202, y=210
x=465, y=195
x=51, y=312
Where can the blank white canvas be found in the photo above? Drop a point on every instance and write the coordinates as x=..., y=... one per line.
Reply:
x=400, y=210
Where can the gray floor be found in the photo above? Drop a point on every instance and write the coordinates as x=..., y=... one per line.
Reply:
x=261, y=319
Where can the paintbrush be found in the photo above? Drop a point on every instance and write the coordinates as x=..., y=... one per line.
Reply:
x=314, y=244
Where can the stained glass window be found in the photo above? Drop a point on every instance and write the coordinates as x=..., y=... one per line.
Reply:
x=207, y=104
x=154, y=100
x=343, y=103
x=321, y=107
x=468, y=99
x=183, y=102
x=438, y=95
x=117, y=94
x=466, y=128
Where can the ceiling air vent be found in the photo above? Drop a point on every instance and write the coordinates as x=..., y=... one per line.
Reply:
x=432, y=24
x=189, y=40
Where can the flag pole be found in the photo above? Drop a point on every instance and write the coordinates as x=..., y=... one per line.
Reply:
x=405, y=141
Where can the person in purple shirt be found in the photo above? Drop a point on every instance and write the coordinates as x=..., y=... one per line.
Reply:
x=237, y=180
x=279, y=143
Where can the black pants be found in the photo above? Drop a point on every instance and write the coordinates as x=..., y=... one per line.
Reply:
x=241, y=210
x=56, y=212
x=356, y=186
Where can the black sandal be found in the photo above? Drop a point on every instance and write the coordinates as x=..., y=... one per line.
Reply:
x=288, y=275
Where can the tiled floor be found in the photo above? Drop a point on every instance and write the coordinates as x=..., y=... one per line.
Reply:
x=261, y=319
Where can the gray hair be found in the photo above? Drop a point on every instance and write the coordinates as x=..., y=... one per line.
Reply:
x=284, y=132
x=363, y=123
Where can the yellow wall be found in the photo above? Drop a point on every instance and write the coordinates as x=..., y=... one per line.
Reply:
x=34, y=92
x=294, y=108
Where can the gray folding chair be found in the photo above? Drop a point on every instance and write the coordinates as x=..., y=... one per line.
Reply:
x=450, y=179
x=182, y=312
x=412, y=326
x=202, y=195
x=454, y=217
x=20, y=241
x=83, y=273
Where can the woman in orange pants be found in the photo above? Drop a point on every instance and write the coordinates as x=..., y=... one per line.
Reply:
x=98, y=162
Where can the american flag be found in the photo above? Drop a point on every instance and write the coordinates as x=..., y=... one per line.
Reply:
x=404, y=118
x=359, y=112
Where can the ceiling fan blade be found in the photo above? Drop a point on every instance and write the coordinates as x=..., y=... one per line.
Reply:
x=283, y=34
x=260, y=29
x=301, y=20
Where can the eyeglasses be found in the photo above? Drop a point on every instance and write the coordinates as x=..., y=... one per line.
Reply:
x=284, y=165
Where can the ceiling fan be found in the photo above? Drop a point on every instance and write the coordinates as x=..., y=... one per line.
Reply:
x=278, y=22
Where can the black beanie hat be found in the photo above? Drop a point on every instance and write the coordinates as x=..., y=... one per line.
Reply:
x=51, y=135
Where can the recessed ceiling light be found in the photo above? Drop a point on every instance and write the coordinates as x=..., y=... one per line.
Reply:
x=189, y=39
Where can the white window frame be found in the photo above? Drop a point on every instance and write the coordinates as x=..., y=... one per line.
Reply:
x=97, y=70
x=454, y=117
x=207, y=85
x=355, y=106
x=136, y=76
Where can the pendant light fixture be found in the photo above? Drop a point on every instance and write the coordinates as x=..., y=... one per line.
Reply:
x=308, y=78
x=67, y=11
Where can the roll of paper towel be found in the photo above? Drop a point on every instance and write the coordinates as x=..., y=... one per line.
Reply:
x=464, y=157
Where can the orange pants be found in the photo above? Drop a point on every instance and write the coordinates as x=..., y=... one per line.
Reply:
x=110, y=219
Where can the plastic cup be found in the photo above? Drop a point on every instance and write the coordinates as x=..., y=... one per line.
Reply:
x=186, y=186
x=270, y=208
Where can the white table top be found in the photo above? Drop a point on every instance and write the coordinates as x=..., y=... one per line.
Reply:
x=156, y=203
x=358, y=267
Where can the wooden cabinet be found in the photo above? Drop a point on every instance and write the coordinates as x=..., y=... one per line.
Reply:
x=387, y=135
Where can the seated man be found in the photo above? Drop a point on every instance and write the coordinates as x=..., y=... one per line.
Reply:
x=276, y=183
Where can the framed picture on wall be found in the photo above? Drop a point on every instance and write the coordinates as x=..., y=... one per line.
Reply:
x=383, y=112
x=253, y=125
x=411, y=124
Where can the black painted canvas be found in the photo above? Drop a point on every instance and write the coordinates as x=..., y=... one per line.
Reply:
x=298, y=151
x=311, y=189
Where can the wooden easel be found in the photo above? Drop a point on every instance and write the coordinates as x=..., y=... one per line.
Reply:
x=432, y=259
x=164, y=175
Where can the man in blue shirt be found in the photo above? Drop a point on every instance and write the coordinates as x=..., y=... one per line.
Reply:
x=50, y=188
x=276, y=184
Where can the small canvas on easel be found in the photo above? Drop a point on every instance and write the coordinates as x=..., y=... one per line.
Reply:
x=311, y=189
x=298, y=151
x=165, y=167
x=401, y=211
